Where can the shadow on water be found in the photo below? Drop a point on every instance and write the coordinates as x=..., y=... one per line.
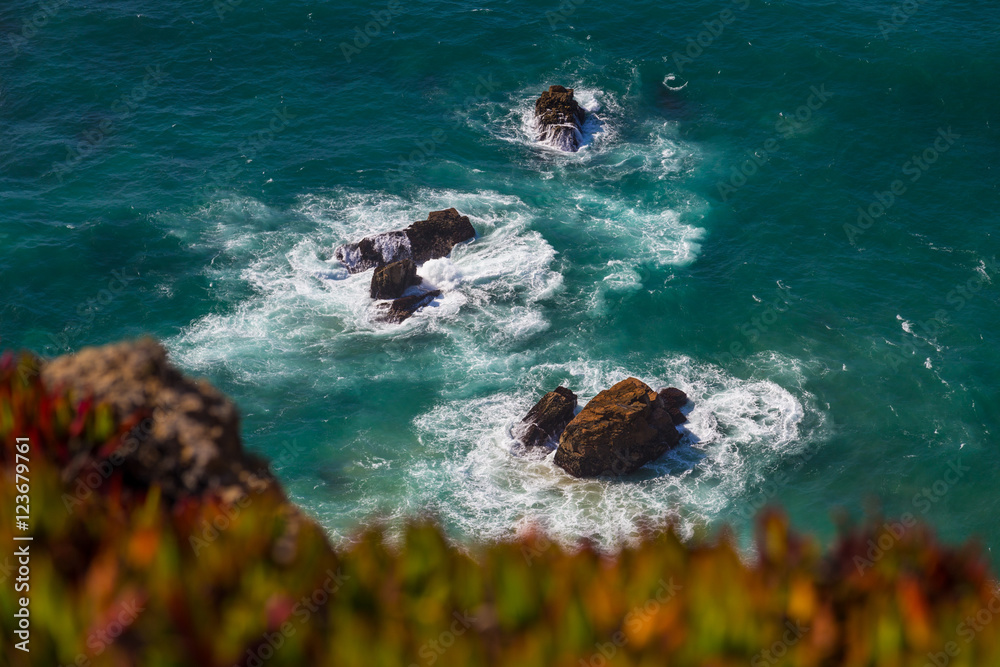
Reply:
x=671, y=102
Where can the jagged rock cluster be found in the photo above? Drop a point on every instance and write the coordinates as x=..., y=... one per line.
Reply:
x=619, y=431
x=395, y=256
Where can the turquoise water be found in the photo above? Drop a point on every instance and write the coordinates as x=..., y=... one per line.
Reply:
x=187, y=171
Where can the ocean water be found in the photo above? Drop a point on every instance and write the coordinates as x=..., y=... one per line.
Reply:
x=787, y=209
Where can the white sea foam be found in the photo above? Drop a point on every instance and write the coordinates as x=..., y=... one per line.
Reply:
x=671, y=80
x=650, y=232
x=908, y=328
x=656, y=237
x=738, y=430
x=668, y=155
x=303, y=297
x=593, y=129
x=390, y=246
x=638, y=238
x=513, y=120
x=656, y=148
x=981, y=269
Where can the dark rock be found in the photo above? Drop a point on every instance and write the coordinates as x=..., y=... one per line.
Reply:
x=402, y=308
x=560, y=119
x=677, y=416
x=545, y=422
x=423, y=240
x=620, y=430
x=188, y=445
x=674, y=399
x=391, y=280
x=438, y=234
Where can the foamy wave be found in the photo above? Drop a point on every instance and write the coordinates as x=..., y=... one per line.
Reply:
x=737, y=431
x=907, y=327
x=669, y=155
x=301, y=296
x=650, y=232
x=671, y=80
x=657, y=237
x=638, y=239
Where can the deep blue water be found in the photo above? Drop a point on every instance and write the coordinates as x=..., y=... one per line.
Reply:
x=186, y=170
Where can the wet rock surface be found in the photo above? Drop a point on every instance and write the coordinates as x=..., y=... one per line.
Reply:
x=401, y=309
x=545, y=422
x=560, y=119
x=620, y=430
x=391, y=280
x=438, y=234
x=423, y=240
x=674, y=399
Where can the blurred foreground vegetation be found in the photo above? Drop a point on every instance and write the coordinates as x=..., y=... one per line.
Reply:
x=119, y=577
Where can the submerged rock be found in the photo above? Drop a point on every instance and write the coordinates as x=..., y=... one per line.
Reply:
x=560, y=119
x=620, y=430
x=545, y=422
x=391, y=280
x=423, y=240
x=674, y=399
x=401, y=309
